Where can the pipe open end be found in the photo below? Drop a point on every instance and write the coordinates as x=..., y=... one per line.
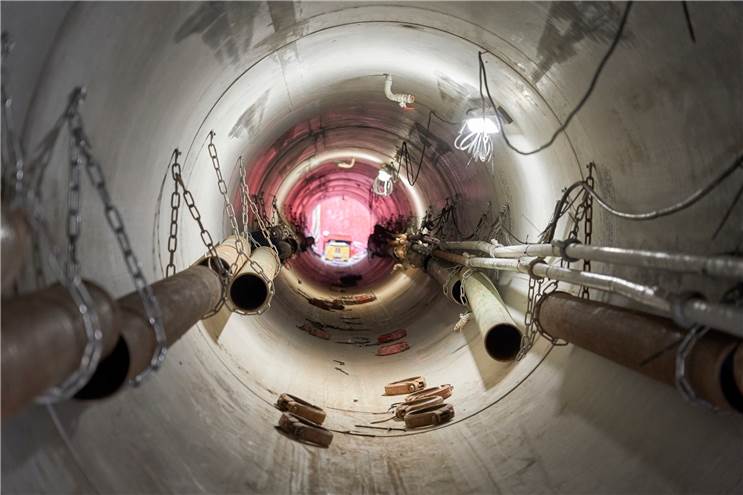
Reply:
x=109, y=376
x=503, y=342
x=248, y=292
x=728, y=383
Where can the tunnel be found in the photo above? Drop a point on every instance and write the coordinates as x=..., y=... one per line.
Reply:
x=296, y=92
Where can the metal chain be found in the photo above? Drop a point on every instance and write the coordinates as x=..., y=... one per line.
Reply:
x=239, y=246
x=682, y=352
x=206, y=237
x=588, y=226
x=13, y=150
x=530, y=333
x=244, y=198
x=93, y=350
x=537, y=290
x=73, y=212
x=116, y=223
x=228, y=208
x=175, y=204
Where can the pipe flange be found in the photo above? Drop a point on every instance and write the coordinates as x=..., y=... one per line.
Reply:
x=563, y=245
x=677, y=307
x=532, y=264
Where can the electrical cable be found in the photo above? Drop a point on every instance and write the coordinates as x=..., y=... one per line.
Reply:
x=689, y=24
x=577, y=108
x=662, y=212
x=728, y=212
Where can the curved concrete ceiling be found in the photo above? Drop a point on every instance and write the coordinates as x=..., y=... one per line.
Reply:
x=292, y=87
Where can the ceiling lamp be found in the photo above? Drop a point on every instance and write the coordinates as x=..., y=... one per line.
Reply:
x=474, y=136
x=384, y=183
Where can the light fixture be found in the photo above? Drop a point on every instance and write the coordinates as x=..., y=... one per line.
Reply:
x=384, y=183
x=474, y=136
x=483, y=124
x=383, y=175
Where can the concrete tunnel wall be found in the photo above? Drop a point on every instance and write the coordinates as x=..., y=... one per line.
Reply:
x=664, y=118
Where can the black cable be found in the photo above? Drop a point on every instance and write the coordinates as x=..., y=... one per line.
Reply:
x=413, y=178
x=575, y=110
x=681, y=205
x=728, y=212
x=689, y=25
x=669, y=210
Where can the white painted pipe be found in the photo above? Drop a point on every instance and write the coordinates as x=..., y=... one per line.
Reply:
x=501, y=336
x=713, y=266
x=251, y=289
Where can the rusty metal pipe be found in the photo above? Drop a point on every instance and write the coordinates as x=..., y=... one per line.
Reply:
x=645, y=343
x=15, y=237
x=43, y=340
x=248, y=291
x=501, y=336
x=738, y=368
x=447, y=275
x=184, y=298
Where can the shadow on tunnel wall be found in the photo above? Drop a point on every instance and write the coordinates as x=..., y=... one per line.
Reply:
x=568, y=24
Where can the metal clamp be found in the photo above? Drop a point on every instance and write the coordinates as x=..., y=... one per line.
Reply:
x=532, y=264
x=563, y=245
x=677, y=307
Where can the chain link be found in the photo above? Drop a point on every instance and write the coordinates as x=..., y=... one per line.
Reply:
x=116, y=223
x=206, y=237
x=530, y=333
x=175, y=204
x=536, y=291
x=239, y=246
x=228, y=208
x=588, y=225
x=69, y=275
x=93, y=350
x=13, y=150
x=73, y=226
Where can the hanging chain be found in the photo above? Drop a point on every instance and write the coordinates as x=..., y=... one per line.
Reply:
x=258, y=269
x=244, y=198
x=228, y=208
x=537, y=290
x=70, y=279
x=175, y=204
x=588, y=226
x=530, y=333
x=73, y=284
x=682, y=353
x=93, y=350
x=116, y=223
x=73, y=212
x=13, y=151
x=206, y=237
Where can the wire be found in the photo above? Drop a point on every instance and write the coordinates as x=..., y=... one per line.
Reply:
x=681, y=205
x=728, y=212
x=689, y=24
x=651, y=215
x=580, y=104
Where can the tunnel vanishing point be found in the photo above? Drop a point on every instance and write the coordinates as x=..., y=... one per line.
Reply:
x=362, y=247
